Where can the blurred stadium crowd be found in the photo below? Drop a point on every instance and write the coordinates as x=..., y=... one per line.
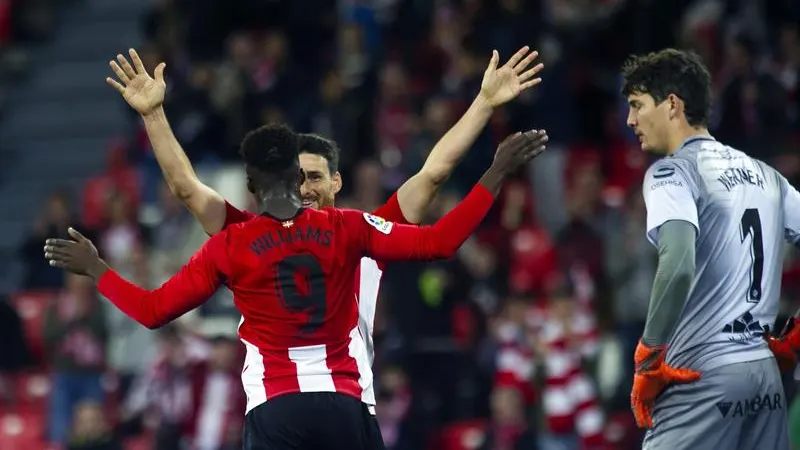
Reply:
x=524, y=341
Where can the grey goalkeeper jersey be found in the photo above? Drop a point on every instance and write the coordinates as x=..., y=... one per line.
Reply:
x=743, y=210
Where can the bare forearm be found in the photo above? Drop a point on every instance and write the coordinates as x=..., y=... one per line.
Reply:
x=204, y=203
x=452, y=147
x=417, y=193
x=174, y=163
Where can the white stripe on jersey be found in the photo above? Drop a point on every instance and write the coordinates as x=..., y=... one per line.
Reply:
x=253, y=375
x=369, y=284
x=313, y=374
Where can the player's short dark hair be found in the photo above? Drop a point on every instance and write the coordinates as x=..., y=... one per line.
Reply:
x=271, y=150
x=671, y=71
x=318, y=145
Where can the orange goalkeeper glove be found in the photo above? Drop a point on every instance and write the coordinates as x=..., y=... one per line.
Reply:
x=786, y=345
x=652, y=376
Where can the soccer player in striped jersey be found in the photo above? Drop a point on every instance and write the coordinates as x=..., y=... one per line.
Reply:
x=319, y=159
x=291, y=272
x=705, y=376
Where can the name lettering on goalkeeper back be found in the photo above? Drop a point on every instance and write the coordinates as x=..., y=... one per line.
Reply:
x=735, y=203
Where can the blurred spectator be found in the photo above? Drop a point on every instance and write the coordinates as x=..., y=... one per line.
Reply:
x=631, y=262
x=752, y=105
x=120, y=178
x=121, y=237
x=131, y=347
x=75, y=338
x=508, y=428
x=395, y=120
x=53, y=221
x=394, y=401
x=218, y=398
x=366, y=193
x=336, y=114
x=565, y=339
x=90, y=428
x=16, y=354
x=437, y=117
x=196, y=402
x=529, y=248
x=515, y=365
x=163, y=392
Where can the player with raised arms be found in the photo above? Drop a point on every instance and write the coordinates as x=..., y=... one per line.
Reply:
x=291, y=271
x=705, y=377
x=319, y=159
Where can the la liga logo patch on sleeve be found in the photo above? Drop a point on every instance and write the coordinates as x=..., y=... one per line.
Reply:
x=379, y=223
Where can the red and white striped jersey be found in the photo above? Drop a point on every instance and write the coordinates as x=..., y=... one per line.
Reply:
x=293, y=281
x=368, y=282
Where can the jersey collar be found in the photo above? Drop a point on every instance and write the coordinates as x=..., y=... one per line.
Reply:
x=692, y=139
x=288, y=219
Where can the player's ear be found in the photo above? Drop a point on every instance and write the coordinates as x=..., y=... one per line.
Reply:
x=337, y=182
x=301, y=177
x=675, y=105
x=250, y=188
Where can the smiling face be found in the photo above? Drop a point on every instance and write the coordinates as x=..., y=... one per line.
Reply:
x=320, y=186
x=650, y=122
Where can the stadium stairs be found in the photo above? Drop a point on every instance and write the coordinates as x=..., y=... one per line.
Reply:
x=61, y=119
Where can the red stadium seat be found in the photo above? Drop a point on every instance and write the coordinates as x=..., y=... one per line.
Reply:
x=464, y=435
x=142, y=442
x=33, y=390
x=31, y=307
x=119, y=177
x=22, y=431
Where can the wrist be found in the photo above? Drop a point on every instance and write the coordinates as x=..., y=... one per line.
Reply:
x=493, y=179
x=649, y=357
x=482, y=104
x=97, y=270
x=155, y=114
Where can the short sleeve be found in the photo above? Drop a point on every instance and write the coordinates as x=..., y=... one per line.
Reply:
x=234, y=215
x=791, y=211
x=668, y=195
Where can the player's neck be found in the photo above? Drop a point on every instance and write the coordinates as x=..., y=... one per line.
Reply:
x=281, y=204
x=681, y=135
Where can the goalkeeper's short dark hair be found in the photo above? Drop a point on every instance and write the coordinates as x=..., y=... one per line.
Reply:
x=271, y=150
x=671, y=71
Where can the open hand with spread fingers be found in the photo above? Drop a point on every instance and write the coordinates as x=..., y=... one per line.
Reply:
x=501, y=85
x=78, y=255
x=144, y=93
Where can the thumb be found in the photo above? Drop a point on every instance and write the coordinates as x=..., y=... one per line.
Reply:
x=493, y=62
x=75, y=234
x=159, y=72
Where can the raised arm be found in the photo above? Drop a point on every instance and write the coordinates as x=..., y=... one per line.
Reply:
x=186, y=290
x=387, y=241
x=499, y=86
x=145, y=94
